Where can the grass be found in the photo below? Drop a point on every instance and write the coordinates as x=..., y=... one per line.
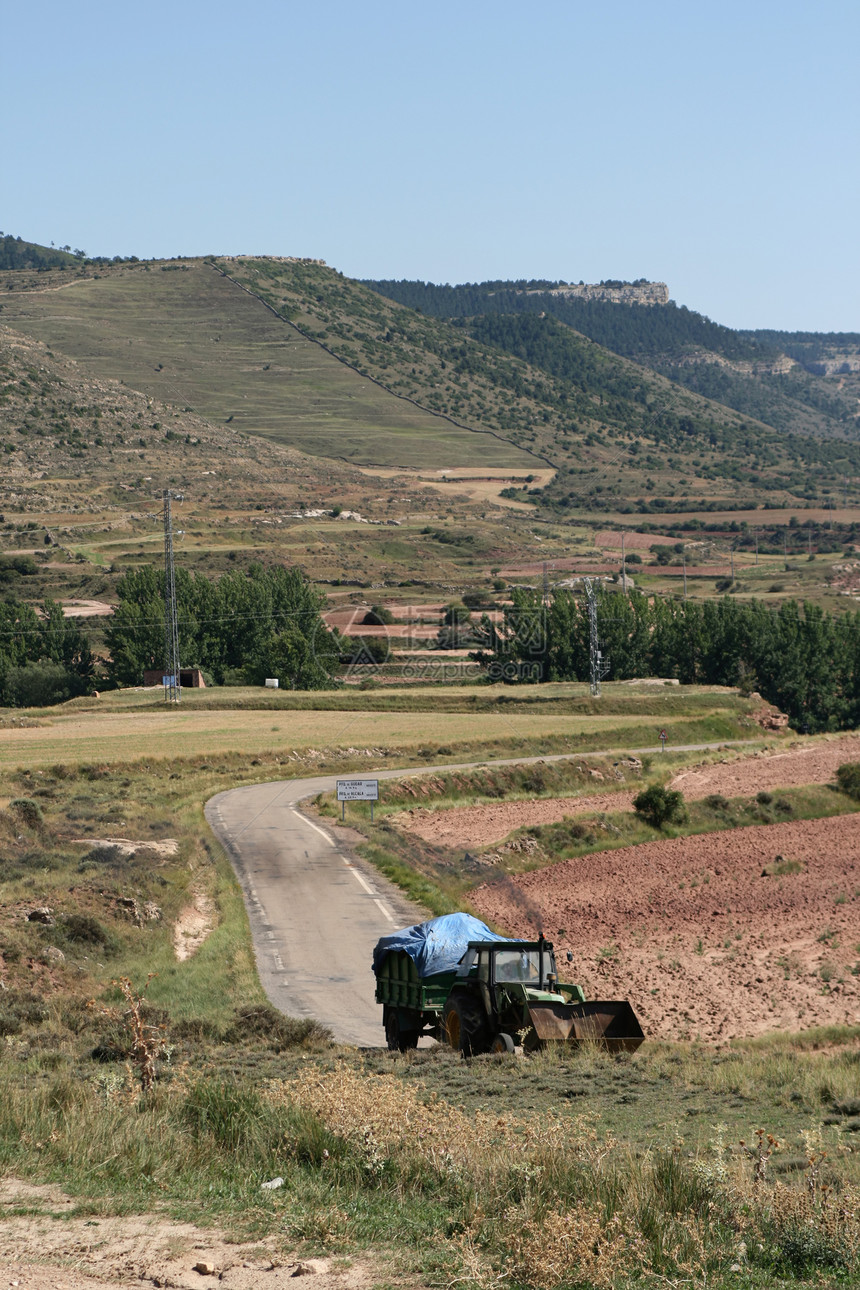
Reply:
x=521, y=1172
x=361, y=727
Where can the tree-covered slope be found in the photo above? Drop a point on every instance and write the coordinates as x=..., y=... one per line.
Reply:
x=745, y=370
x=15, y=253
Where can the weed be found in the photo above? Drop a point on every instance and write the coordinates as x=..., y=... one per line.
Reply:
x=848, y=778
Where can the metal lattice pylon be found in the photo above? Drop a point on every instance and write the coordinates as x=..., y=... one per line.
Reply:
x=172, y=686
x=598, y=665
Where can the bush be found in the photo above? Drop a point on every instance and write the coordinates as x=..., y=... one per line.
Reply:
x=266, y=1024
x=82, y=931
x=27, y=811
x=848, y=778
x=658, y=806
x=39, y=685
x=378, y=616
x=716, y=802
x=763, y=798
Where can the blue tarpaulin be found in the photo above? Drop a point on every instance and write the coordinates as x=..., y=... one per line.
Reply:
x=436, y=946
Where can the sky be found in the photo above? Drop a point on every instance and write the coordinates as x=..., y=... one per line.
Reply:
x=712, y=146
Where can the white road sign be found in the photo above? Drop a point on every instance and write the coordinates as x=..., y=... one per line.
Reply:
x=358, y=790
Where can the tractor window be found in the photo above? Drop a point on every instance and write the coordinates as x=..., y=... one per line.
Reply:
x=518, y=965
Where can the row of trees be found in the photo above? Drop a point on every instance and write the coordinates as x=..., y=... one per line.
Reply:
x=800, y=658
x=245, y=626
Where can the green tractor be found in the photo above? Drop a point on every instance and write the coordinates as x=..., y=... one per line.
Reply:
x=499, y=994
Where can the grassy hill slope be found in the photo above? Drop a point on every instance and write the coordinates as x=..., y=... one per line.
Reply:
x=294, y=351
x=183, y=333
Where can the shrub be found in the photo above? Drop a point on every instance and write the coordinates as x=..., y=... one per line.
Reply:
x=74, y=931
x=378, y=616
x=716, y=802
x=265, y=1023
x=39, y=685
x=763, y=798
x=848, y=778
x=658, y=806
x=27, y=811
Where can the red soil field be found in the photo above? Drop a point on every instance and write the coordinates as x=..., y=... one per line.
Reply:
x=690, y=930
x=478, y=826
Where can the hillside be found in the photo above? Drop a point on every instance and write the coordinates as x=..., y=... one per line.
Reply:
x=245, y=498
x=15, y=253
x=293, y=351
x=181, y=332
x=620, y=434
x=761, y=374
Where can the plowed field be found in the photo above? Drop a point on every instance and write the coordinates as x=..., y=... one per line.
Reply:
x=691, y=931
x=478, y=826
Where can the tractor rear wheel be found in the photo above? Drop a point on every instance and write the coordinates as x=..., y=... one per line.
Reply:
x=399, y=1040
x=466, y=1025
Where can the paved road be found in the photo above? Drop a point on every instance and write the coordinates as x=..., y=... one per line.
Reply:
x=316, y=911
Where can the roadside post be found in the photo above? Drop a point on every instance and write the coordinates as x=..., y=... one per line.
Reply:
x=663, y=738
x=357, y=790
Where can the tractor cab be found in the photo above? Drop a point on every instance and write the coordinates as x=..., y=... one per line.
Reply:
x=524, y=969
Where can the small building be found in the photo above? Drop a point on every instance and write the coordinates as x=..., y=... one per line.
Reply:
x=190, y=678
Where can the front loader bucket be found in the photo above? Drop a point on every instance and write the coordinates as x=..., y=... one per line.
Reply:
x=612, y=1024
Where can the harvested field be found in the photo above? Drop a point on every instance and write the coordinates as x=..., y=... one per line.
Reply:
x=693, y=932
x=479, y=826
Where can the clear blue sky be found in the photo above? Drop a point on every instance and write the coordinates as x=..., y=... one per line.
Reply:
x=714, y=146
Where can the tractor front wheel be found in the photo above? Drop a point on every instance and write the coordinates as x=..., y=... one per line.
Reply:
x=466, y=1025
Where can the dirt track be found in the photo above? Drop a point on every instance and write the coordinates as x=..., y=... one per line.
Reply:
x=38, y=1252
x=478, y=826
x=703, y=944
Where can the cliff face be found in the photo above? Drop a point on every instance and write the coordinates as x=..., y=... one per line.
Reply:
x=626, y=293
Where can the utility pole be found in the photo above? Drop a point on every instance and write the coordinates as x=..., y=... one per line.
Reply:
x=785, y=543
x=172, y=687
x=623, y=565
x=732, y=554
x=684, y=557
x=598, y=666
x=756, y=547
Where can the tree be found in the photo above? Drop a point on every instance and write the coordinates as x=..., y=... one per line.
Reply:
x=658, y=806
